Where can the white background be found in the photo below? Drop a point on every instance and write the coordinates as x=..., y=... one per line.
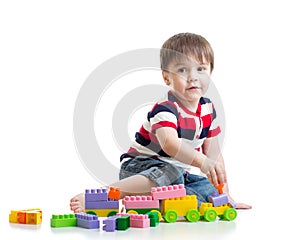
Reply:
x=48, y=49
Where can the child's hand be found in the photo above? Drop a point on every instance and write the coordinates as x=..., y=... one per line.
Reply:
x=214, y=170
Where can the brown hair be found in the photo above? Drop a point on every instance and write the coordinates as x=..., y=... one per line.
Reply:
x=186, y=45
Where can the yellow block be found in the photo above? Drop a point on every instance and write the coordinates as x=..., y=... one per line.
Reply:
x=180, y=205
x=33, y=216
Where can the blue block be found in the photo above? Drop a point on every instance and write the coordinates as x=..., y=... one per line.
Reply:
x=113, y=204
x=110, y=224
x=89, y=221
x=93, y=195
x=218, y=200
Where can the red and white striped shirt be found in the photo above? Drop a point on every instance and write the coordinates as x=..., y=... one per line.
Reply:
x=192, y=128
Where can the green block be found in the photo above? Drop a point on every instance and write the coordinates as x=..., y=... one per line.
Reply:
x=154, y=218
x=66, y=220
x=123, y=223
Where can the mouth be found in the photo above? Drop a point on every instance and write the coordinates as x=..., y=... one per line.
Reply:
x=193, y=88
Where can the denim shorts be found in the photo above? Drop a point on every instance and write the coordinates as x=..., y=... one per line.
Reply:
x=164, y=174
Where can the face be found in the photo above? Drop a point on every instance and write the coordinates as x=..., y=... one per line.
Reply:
x=189, y=79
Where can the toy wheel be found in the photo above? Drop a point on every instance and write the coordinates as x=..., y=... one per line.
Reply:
x=112, y=213
x=170, y=216
x=210, y=215
x=159, y=214
x=230, y=214
x=132, y=212
x=91, y=212
x=192, y=215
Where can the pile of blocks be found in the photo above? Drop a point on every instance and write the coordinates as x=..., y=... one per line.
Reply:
x=27, y=216
x=125, y=221
x=83, y=220
x=101, y=202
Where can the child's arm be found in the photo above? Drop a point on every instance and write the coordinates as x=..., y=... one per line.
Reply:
x=176, y=148
x=212, y=150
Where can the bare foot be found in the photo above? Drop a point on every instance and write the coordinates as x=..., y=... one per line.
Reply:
x=243, y=206
x=77, y=203
x=240, y=205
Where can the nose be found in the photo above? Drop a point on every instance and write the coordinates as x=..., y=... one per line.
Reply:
x=193, y=75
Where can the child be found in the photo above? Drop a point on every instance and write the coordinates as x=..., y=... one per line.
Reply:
x=180, y=132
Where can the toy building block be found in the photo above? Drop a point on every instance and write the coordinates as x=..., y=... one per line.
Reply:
x=113, y=204
x=154, y=218
x=66, y=220
x=139, y=221
x=219, y=188
x=13, y=216
x=87, y=221
x=110, y=224
x=232, y=203
x=114, y=193
x=123, y=223
x=218, y=200
x=186, y=206
x=135, y=202
x=166, y=192
x=28, y=216
x=210, y=213
x=93, y=195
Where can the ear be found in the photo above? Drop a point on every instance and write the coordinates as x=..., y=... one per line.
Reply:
x=166, y=77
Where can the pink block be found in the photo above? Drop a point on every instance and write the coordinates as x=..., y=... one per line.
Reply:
x=139, y=221
x=172, y=191
x=140, y=202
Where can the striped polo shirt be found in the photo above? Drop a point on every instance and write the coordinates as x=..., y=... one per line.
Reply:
x=193, y=128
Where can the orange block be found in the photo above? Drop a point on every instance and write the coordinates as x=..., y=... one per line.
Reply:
x=114, y=193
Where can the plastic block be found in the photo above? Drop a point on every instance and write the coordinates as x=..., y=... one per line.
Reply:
x=33, y=217
x=113, y=204
x=114, y=193
x=172, y=191
x=87, y=221
x=219, y=188
x=182, y=205
x=27, y=216
x=218, y=199
x=154, y=218
x=93, y=195
x=66, y=220
x=232, y=203
x=110, y=224
x=123, y=223
x=140, y=202
x=139, y=221
x=21, y=217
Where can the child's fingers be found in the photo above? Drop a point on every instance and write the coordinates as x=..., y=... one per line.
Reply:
x=212, y=176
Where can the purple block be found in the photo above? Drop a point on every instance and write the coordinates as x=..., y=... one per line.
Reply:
x=232, y=203
x=110, y=224
x=92, y=195
x=89, y=221
x=218, y=200
x=113, y=204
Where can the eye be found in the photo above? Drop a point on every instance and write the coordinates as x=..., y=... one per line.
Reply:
x=182, y=70
x=200, y=69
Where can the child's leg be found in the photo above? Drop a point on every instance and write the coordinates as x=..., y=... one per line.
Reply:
x=133, y=185
x=199, y=186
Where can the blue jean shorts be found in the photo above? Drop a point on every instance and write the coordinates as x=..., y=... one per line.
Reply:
x=164, y=174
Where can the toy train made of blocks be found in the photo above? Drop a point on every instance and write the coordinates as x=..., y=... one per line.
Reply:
x=170, y=202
